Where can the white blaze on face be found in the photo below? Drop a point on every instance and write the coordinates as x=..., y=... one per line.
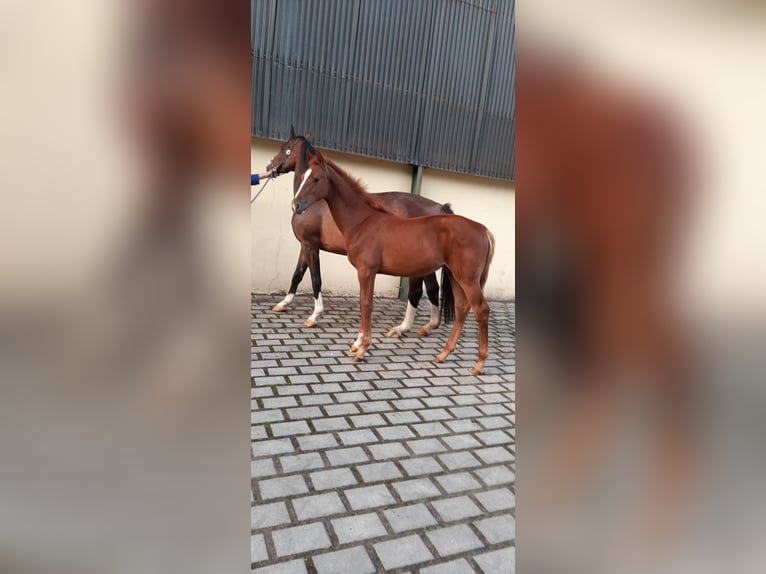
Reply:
x=305, y=179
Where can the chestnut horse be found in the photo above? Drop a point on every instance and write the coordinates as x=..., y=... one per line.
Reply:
x=317, y=230
x=378, y=241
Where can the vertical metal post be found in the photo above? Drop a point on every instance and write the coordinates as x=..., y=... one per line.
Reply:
x=417, y=178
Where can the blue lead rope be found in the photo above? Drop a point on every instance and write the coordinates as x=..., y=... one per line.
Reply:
x=254, y=180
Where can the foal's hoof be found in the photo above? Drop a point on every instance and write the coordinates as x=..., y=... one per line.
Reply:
x=309, y=323
x=423, y=331
x=477, y=370
x=395, y=332
x=440, y=357
x=359, y=355
x=277, y=309
x=353, y=349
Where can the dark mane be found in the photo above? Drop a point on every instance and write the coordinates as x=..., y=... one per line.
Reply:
x=359, y=187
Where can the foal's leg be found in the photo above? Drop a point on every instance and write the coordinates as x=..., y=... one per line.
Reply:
x=366, y=288
x=316, y=284
x=461, y=311
x=413, y=298
x=432, y=287
x=300, y=271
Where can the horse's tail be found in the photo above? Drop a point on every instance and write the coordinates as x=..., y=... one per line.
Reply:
x=490, y=255
x=447, y=208
x=448, y=299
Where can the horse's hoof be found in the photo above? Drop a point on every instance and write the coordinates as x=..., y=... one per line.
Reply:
x=440, y=358
x=359, y=355
x=476, y=371
x=395, y=332
x=353, y=349
x=309, y=323
x=423, y=331
x=277, y=309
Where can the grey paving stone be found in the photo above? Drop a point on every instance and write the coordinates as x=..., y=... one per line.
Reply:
x=293, y=389
x=330, y=424
x=350, y=397
x=461, y=441
x=379, y=471
x=373, y=420
x=457, y=482
x=494, y=454
x=430, y=429
x=438, y=402
x=369, y=497
x=308, y=400
x=401, y=552
x=395, y=433
x=279, y=402
x=304, y=413
x=459, y=566
x=388, y=450
x=317, y=441
x=496, y=500
x=334, y=478
x=326, y=388
x=262, y=467
x=454, y=539
x=258, y=552
x=345, y=456
x=463, y=426
x=401, y=418
x=490, y=423
x=291, y=567
x=496, y=475
x=307, y=461
x=358, y=527
x=497, y=528
x=267, y=515
x=258, y=433
x=495, y=437
x=349, y=561
x=407, y=404
x=318, y=505
x=272, y=447
x=458, y=508
x=335, y=377
x=290, y=429
x=412, y=517
x=282, y=486
x=421, y=466
x=426, y=446
x=382, y=395
x=354, y=437
x=375, y=406
x=458, y=460
x=340, y=410
x=416, y=489
x=297, y=539
x=502, y=560
x=267, y=416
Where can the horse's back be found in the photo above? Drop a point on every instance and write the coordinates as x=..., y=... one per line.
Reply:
x=409, y=205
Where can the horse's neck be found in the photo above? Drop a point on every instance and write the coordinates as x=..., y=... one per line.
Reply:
x=348, y=207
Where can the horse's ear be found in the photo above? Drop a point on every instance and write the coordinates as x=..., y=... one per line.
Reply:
x=292, y=132
x=308, y=136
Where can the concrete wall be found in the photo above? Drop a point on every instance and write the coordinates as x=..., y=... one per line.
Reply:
x=275, y=249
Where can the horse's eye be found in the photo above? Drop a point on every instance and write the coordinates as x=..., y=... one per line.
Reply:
x=288, y=152
x=316, y=180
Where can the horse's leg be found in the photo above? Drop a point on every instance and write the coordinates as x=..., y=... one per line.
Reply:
x=413, y=298
x=480, y=309
x=316, y=285
x=461, y=312
x=366, y=288
x=432, y=288
x=300, y=271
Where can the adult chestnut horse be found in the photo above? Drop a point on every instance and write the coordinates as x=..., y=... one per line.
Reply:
x=317, y=230
x=377, y=241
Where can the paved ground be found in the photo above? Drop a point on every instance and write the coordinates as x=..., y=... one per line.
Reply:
x=392, y=465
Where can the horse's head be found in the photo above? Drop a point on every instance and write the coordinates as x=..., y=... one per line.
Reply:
x=284, y=161
x=314, y=181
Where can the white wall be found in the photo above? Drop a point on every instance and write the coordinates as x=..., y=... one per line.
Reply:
x=275, y=249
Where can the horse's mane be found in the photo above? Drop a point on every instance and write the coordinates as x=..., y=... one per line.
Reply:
x=354, y=183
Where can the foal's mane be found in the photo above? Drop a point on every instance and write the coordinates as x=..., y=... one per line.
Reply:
x=355, y=184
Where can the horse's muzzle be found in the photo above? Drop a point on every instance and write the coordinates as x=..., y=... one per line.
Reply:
x=300, y=206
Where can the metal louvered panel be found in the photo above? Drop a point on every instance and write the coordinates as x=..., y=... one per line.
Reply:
x=426, y=82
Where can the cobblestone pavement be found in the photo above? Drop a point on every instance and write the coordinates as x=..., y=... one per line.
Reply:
x=395, y=464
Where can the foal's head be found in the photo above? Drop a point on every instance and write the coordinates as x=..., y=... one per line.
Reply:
x=314, y=184
x=285, y=159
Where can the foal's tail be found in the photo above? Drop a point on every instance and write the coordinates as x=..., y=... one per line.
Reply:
x=448, y=299
x=490, y=255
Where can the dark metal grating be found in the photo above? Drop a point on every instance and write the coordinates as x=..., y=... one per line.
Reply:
x=425, y=82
